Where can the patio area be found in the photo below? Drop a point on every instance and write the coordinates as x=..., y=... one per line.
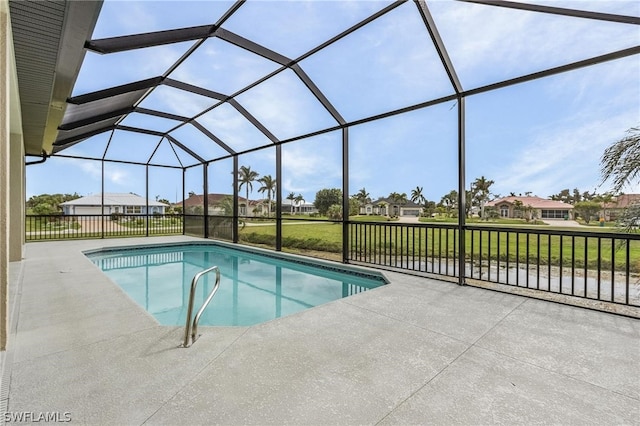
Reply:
x=415, y=351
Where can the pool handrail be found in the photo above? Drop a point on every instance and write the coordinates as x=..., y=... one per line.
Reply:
x=191, y=328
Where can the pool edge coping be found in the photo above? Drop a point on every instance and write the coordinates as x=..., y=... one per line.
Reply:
x=292, y=257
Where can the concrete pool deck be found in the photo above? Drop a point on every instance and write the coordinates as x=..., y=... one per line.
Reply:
x=416, y=351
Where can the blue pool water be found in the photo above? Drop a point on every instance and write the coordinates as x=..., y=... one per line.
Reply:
x=254, y=288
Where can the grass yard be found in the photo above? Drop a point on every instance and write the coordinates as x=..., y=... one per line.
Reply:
x=169, y=223
x=50, y=224
x=515, y=246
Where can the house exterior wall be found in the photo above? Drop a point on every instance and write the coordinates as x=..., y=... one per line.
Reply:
x=538, y=213
x=122, y=209
x=5, y=136
x=16, y=198
x=78, y=210
x=11, y=168
x=612, y=214
x=371, y=209
x=390, y=209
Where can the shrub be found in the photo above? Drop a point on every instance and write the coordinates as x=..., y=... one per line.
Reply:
x=335, y=212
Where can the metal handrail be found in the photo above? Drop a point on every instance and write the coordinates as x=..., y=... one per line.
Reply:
x=191, y=328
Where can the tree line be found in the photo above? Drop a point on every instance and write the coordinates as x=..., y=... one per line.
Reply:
x=48, y=203
x=620, y=163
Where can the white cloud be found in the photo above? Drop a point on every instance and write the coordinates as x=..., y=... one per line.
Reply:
x=562, y=156
x=113, y=174
x=233, y=128
x=489, y=44
x=307, y=169
x=285, y=106
x=91, y=168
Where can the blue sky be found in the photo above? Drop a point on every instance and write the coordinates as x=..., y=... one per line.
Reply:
x=542, y=136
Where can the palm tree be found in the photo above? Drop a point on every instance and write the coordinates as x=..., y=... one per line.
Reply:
x=268, y=186
x=449, y=201
x=291, y=197
x=246, y=177
x=398, y=199
x=226, y=204
x=383, y=206
x=299, y=199
x=416, y=195
x=481, y=191
x=621, y=161
x=363, y=196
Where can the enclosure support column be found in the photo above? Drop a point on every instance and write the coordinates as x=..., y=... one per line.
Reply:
x=184, y=204
x=102, y=223
x=462, y=195
x=278, y=198
x=345, y=195
x=147, y=195
x=205, y=187
x=235, y=199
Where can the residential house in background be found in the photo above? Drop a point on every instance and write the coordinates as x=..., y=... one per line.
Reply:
x=296, y=207
x=390, y=207
x=612, y=211
x=113, y=203
x=218, y=203
x=542, y=208
x=222, y=204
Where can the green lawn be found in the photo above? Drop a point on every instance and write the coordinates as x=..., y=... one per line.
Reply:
x=440, y=242
x=174, y=222
x=478, y=221
x=50, y=224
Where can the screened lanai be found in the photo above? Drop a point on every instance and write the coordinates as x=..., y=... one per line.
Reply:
x=178, y=102
x=172, y=102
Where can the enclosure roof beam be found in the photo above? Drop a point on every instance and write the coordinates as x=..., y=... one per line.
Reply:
x=622, y=19
x=423, y=9
x=318, y=93
x=107, y=160
x=194, y=89
x=157, y=38
x=557, y=70
x=212, y=137
x=161, y=114
x=185, y=149
x=115, y=91
x=252, y=47
x=96, y=118
x=352, y=29
x=257, y=49
x=253, y=120
x=161, y=134
x=77, y=138
x=140, y=130
x=223, y=98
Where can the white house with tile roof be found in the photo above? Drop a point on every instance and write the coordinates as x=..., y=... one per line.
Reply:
x=113, y=203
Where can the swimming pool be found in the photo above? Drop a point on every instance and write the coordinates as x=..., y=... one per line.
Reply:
x=254, y=287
